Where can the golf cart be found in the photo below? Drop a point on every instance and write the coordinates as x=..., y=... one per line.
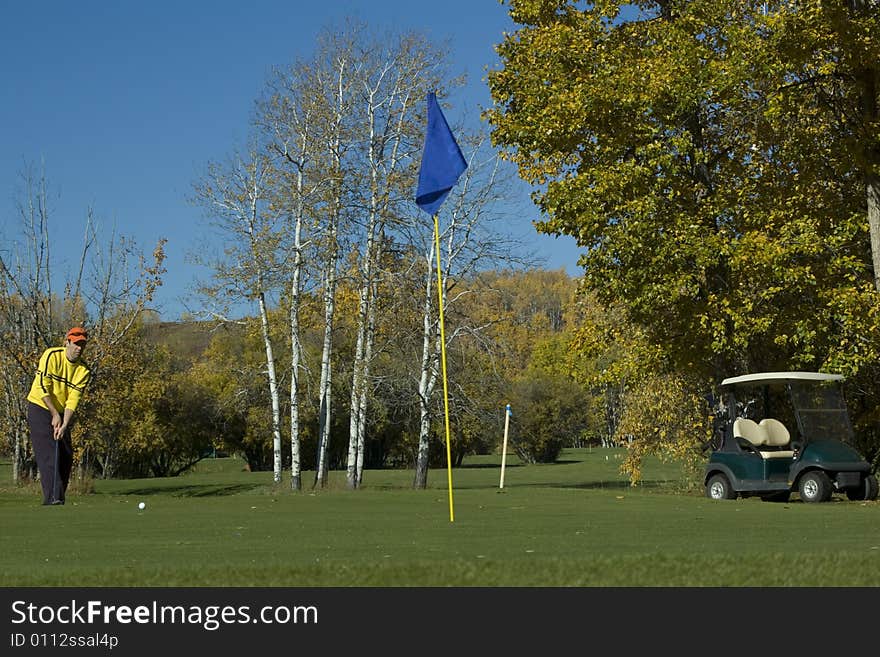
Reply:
x=783, y=432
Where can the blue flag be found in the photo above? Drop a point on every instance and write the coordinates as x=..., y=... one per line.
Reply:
x=442, y=161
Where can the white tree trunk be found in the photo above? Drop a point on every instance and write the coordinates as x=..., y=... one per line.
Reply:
x=427, y=378
x=295, y=361
x=325, y=412
x=362, y=407
x=867, y=79
x=296, y=351
x=359, y=367
x=273, y=390
x=383, y=157
x=337, y=128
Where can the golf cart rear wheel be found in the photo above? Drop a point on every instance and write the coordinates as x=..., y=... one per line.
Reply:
x=872, y=488
x=718, y=488
x=815, y=486
x=867, y=489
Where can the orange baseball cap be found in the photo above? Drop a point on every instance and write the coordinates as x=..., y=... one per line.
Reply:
x=77, y=334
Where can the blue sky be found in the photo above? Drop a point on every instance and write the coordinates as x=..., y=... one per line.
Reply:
x=125, y=103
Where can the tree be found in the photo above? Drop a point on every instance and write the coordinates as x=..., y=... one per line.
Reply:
x=702, y=155
x=168, y=424
x=232, y=370
x=332, y=81
x=469, y=244
x=108, y=291
x=550, y=414
x=288, y=119
x=346, y=125
x=667, y=419
x=724, y=230
x=394, y=80
x=237, y=199
x=826, y=59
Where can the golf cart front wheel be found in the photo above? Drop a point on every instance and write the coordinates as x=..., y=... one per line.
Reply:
x=718, y=488
x=815, y=486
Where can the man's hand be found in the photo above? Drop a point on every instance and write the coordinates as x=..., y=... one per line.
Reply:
x=57, y=426
x=59, y=431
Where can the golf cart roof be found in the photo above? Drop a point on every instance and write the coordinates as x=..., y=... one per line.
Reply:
x=779, y=377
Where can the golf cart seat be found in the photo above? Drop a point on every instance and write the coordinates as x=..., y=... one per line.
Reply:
x=777, y=434
x=758, y=435
x=749, y=430
x=778, y=437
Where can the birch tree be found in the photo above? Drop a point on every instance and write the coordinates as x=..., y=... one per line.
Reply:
x=237, y=198
x=289, y=118
x=332, y=76
x=389, y=94
x=470, y=242
x=345, y=127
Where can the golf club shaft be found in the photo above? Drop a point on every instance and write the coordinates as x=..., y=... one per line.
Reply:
x=55, y=475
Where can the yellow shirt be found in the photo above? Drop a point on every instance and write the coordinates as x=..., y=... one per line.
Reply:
x=60, y=379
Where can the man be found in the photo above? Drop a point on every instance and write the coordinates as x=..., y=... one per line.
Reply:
x=58, y=385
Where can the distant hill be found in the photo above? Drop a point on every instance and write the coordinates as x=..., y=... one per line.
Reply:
x=186, y=340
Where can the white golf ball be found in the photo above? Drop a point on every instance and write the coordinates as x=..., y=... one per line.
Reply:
x=142, y=506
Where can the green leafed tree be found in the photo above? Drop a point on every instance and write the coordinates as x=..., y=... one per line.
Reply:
x=717, y=161
x=699, y=155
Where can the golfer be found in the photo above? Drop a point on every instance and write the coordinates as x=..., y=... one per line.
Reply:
x=58, y=386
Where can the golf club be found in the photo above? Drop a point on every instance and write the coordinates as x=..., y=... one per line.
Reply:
x=55, y=499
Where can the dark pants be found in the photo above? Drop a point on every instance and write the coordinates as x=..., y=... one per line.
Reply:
x=54, y=457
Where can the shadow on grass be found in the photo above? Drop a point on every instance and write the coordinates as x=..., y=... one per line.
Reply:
x=587, y=485
x=644, y=483
x=193, y=490
x=597, y=485
x=496, y=466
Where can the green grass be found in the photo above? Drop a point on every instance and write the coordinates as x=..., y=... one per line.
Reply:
x=573, y=523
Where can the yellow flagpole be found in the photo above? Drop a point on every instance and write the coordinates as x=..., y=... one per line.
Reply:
x=443, y=365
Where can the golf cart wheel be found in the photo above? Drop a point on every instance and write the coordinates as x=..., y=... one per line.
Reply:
x=815, y=486
x=719, y=488
x=867, y=489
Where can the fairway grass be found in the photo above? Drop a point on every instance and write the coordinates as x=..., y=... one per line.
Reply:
x=573, y=523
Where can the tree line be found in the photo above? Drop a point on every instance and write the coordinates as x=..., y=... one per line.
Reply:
x=716, y=161
x=334, y=360
x=168, y=394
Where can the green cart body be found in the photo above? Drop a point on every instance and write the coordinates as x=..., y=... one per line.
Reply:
x=786, y=432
